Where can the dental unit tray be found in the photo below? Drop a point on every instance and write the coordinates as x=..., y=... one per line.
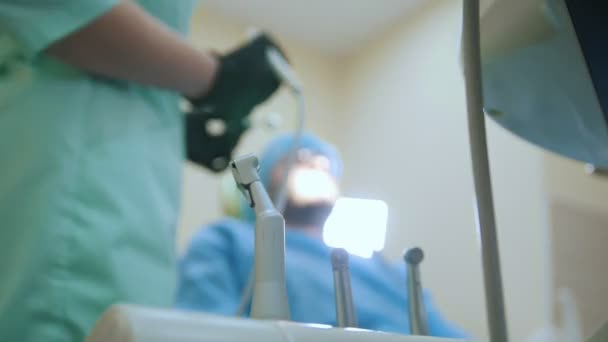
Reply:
x=270, y=309
x=132, y=323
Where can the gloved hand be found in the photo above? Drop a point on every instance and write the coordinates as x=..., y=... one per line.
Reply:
x=244, y=80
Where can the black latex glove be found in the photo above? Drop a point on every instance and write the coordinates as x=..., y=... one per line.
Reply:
x=244, y=80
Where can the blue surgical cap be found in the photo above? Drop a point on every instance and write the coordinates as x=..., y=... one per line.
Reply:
x=279, y=148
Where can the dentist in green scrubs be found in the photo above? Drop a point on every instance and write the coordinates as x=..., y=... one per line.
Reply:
x=91, y=152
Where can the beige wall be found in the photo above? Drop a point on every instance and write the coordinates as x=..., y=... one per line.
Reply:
x=396, y=109
x=579, y=249
x=579, y=219
x=405, y=142
x=568, y=182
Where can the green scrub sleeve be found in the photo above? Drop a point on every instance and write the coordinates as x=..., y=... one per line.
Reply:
x=36, y=24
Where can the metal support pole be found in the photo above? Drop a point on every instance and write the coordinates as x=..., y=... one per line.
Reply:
x=497, y=322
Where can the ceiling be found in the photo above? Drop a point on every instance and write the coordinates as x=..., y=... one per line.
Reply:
x=334, y=26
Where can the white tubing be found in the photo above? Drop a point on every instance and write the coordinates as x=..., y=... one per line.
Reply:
x=284, y=71
x=281, y=195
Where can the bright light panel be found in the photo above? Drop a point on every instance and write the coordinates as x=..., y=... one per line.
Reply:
x=357, y=225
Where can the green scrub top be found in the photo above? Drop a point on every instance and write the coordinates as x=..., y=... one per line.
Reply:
x=90, y=172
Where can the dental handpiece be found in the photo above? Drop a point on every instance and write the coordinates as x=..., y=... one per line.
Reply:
x=269, y=299
x=417, y=313
x=345, y=308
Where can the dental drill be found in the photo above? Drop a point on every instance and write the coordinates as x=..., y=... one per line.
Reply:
x=417, y=313
x=269, y=289
x=289, y=78
x=346, y=315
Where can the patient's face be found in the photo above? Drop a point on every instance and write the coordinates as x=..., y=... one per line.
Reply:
x=310, y=180
x=311, y=188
